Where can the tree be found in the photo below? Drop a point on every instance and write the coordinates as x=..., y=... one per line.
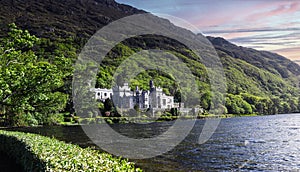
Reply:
x=28, y=83
x=108, y=105
x=293, y=105
x=286, y=107
x=247, y=107
x=206, y=100
x=235, y=104
x=276, y=105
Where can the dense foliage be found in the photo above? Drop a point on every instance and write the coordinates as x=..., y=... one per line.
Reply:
x=32, y=82
x=39, y=153
x=268, y=92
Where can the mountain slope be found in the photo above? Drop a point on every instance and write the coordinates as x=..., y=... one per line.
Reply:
x=48, y=18
x=272, y=62
x=263, y=67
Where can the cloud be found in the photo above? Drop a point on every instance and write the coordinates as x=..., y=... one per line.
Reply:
x=264, y=29
x=282, y=9
x=271, y=40
x=293, y=53
x=213, y=22
x=255, y=46
x=284, y=41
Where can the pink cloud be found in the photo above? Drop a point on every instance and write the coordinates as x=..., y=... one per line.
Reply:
x=235, y=34
x=291, y=53
x=293, y=7
x=237, y=13
x=292, y=24
x=280, y=10
x=211, y=22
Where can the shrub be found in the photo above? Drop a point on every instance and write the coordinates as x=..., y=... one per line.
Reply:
x=40, y=153
x=24, y=119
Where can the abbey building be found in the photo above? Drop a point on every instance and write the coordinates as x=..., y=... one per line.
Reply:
x=124, y=98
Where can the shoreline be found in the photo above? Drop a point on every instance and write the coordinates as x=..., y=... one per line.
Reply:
x=140, y=120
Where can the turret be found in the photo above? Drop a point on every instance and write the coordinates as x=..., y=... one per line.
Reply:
x=137, y=91
x=137, y=96
x=151, y=85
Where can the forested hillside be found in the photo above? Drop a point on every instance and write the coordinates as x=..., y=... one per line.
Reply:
x=257, y=81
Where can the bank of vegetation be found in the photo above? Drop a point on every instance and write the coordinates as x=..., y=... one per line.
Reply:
x=38, y=153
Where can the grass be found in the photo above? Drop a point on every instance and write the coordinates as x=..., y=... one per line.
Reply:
x=141, y=119
x=39, y=153
x=236, y=115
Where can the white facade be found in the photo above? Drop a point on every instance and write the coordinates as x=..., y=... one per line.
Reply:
x=124, y=98
x=103, y=94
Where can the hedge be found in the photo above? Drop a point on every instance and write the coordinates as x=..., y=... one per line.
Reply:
x=39, y=153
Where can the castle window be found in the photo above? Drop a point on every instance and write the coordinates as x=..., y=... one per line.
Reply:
x=164, y=102
x=105, y=94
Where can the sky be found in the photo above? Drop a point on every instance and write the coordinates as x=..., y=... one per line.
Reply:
x=272, y=25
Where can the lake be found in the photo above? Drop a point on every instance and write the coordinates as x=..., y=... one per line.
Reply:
x=261, y=143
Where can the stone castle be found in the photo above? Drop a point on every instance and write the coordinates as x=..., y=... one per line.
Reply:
x=124, y=98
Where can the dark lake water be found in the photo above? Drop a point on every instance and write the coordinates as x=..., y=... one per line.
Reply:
x=262, y=143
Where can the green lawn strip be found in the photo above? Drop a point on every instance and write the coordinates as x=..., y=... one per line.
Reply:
x=39, y=153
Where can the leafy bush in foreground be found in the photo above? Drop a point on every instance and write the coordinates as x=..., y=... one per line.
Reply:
x=40, y=153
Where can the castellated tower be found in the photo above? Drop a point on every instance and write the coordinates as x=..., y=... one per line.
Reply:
x=151, y=86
